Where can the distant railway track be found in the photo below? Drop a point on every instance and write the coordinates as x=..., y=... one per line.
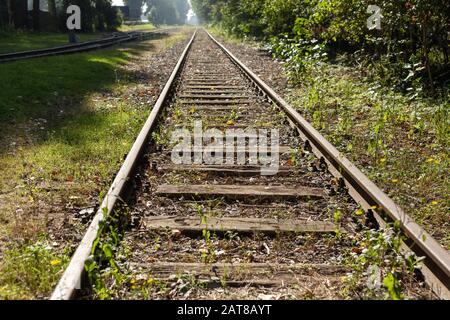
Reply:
x=77, y=47
x=227, y=223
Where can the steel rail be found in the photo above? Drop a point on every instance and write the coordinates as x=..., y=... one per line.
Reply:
x=362, y=189
x=71, y=279
x=74, y=48
x=365, y=192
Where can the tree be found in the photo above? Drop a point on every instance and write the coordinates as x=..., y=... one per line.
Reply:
x=203, y=9
x=182, y=7
x=53, y=15
x=168, y=11
x=9, y=7
x=6, y=13
x=13, y=13
x=162, y=12
x=135, y=8
x=107, y=16
x=36, y=15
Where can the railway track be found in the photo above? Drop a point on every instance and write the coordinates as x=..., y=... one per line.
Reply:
x=77, y=47
x=232, y=194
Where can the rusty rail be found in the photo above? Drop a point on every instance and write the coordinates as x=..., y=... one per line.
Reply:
x=71, y=279
x=363, y=190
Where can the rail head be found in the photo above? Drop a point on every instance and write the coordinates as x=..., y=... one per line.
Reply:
x=72, y=276
x=362, y=189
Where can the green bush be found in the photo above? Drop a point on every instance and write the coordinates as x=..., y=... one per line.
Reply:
x=410, y=51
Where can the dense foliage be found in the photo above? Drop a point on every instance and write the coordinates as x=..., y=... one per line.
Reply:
x=97, y=15
x=410, y=48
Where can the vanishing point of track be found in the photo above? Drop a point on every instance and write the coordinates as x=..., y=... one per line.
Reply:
x=227, y=223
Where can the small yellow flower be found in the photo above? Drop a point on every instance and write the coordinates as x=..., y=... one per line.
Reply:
x=359, y=212
x=55, y=262
x=230, y=122
x=382, y=160
x=394, y=180
x=373, y=207
x=132, y=281
x=434, y=203
x=430, y=160
x=133, y=287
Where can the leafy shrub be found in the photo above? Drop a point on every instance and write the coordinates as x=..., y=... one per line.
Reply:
x=410, y=51
x=299, y=56
x=380, y=268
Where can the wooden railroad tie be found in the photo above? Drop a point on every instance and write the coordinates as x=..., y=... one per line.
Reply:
x=228, y=170
x=246, y=274
x=240, y=192
x=195, y=225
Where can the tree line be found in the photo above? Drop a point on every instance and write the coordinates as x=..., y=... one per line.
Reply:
x=97, y=15
x=412, y=43
x=172, y=12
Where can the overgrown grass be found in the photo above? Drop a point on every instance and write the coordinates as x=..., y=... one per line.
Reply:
x=65, y=129
x=401, y=141
x=35, y=86
x=137, y=27
x=24, y=40
x=232, y=38
x=30, y=271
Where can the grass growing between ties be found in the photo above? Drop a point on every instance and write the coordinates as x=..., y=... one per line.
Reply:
x=66, y=124
x=102, y=266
